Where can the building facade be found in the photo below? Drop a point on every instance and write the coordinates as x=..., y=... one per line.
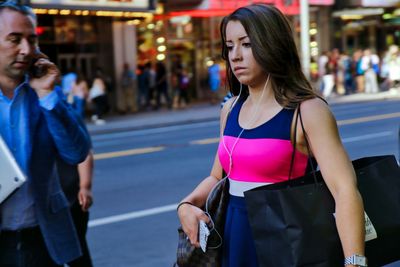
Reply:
x=361, y=24
x=193, y=32
x=87, y=35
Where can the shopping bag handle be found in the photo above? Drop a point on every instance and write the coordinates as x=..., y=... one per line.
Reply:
x=310, y=158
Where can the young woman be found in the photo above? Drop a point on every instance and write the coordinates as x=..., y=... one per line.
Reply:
x=264, y=73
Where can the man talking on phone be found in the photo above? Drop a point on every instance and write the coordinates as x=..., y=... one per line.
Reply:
x=36, y=228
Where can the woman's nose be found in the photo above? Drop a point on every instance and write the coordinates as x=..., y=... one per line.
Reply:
x=236, y=54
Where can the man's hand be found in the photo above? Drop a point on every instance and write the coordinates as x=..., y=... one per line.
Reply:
x=85, y=198
x=44, y=84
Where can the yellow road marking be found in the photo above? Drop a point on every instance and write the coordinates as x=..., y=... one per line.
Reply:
x=369, y=118
x=138, y=151
x=205, y=141
x=342, y=122
x=129, y=152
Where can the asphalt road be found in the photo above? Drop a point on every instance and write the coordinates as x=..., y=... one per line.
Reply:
x=141, y=175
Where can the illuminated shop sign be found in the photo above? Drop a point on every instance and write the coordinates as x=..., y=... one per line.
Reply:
x=379, y=2
x=233, y=4
x=125, y=5
x=373, y=3
x=210, y=8
x=321, y=2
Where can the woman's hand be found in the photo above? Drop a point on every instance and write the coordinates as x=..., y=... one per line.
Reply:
x=190, y=216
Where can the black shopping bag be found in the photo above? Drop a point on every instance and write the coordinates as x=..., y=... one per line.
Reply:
x=293, y=222
x=379, y=184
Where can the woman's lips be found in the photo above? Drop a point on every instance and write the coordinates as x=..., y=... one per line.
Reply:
x=239, y=69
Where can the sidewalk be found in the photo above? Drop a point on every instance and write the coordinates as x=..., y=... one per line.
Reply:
x=201, y=112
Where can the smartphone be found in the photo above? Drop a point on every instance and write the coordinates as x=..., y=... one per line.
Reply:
x=37, y=71
x=204, y=232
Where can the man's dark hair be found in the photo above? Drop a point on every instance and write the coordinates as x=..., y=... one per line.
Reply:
x=19, y=6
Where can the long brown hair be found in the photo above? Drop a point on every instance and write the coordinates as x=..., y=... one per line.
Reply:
x=274, y=50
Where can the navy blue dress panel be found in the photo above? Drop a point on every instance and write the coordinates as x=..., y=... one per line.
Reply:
x=238, y=246
x=278, y=127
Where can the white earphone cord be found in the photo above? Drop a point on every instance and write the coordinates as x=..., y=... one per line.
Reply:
x=231, y=152
x=254, y=118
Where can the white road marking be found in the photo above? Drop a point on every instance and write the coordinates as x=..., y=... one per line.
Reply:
x=366, y=137
x=131, y=215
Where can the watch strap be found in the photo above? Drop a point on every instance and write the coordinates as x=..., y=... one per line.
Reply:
x=355, y=259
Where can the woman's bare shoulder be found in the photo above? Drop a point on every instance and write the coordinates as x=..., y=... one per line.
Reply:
x=227, y=105
x=315, y=109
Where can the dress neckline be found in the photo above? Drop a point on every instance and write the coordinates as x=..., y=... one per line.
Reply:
x=258, y=126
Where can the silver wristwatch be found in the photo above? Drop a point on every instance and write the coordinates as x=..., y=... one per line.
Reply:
x=357, y=260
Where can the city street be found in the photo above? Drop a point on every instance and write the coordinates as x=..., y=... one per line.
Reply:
x=141, y=174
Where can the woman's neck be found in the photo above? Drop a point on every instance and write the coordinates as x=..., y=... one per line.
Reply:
x=264, y=91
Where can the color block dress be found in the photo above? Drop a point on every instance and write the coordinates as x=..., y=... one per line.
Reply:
x=261, y=156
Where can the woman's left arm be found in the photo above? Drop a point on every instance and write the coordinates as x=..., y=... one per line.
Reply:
x=337, y=170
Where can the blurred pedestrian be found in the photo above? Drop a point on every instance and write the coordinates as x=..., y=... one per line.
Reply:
x=80, y=93
x=257, y=133
x=151, y=102
x=162, y=85
x=394, y=66
x=340, y=75
x=370, y=66
x=322, y=61
x=143, y=87
x=98, y=96
x=128, y=86
x=226, y=98
x=67, y=81
x=175, y=77
x=180, y=84
x=359, y=72
x=328, y=80
x=214, y=81
x=346, y=67
x=37, y=125
x=314, y=70
x=183, y=83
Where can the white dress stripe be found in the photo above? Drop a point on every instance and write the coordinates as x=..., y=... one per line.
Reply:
x=236, y=188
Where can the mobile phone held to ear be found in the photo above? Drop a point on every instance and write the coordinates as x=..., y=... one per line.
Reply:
x=38, y=71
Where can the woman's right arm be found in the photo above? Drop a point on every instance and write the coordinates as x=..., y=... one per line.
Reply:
x=190, y=214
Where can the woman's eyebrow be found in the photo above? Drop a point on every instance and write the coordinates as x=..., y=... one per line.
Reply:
x=240, y=39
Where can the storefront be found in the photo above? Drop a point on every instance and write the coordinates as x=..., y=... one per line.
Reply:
x=193, y=31
x=368, y=24
x=86, y=35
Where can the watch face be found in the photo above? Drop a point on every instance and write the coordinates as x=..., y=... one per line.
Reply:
x=360, y=260
x=356, y=260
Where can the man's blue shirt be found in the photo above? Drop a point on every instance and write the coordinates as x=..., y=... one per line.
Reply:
x=17, y=212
